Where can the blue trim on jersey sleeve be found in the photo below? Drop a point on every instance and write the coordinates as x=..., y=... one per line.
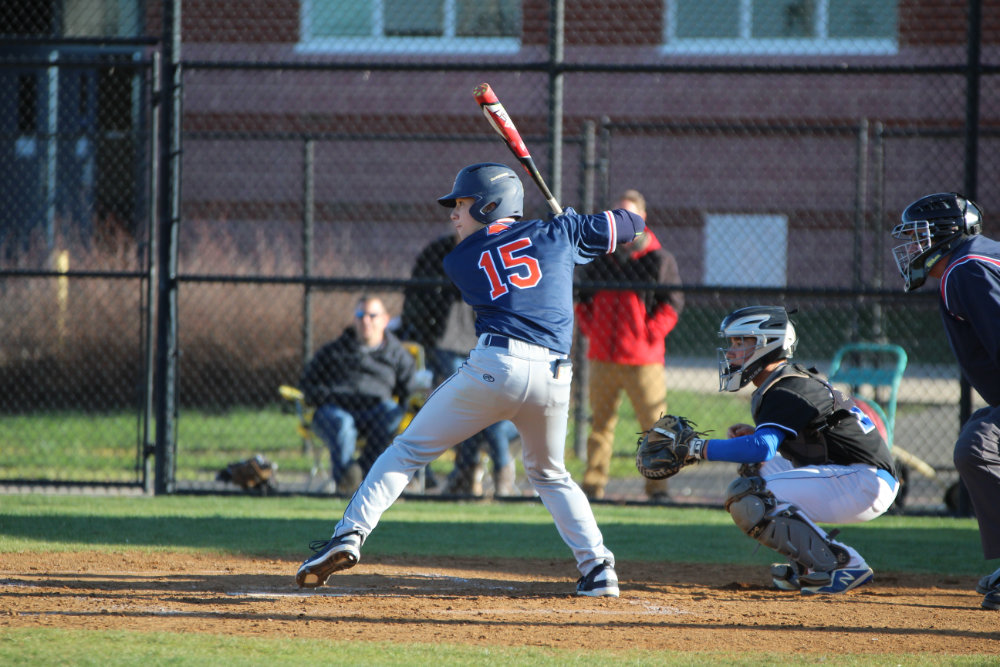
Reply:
x=761, y=445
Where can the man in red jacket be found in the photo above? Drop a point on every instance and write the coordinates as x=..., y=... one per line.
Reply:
x=627, y=331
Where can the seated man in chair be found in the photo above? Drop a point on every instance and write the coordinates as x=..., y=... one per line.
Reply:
x=359, y=384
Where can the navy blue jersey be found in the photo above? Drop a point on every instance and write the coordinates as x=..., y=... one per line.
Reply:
x=970, y=309
x=518, y=275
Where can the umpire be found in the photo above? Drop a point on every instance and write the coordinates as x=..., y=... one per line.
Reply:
x=942, y=239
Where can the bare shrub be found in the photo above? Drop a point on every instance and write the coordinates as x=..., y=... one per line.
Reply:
x=77, y=342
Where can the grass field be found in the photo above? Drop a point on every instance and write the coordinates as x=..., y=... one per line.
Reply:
x=280, y=528
x=97, y=447
x=283, y=526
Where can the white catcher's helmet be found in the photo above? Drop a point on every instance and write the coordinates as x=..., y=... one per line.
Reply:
x=775, y=338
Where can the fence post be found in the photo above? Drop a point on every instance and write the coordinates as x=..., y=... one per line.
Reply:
x=52, y=157
x=972, y=74
x=860, y=200
x=308, y=224
x=587, y=186
x=169, y=214
x=878, y=215
x=581, y=370
x=557, y=13
x=860, y=205
x=147, y=454
x=604, y=164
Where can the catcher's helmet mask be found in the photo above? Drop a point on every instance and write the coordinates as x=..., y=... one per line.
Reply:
x=496, y=189
x=774, y=338
x=931, y=227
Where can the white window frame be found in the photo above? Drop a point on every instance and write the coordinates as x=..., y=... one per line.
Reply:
x=746, y=250
x=379, y=43
x=822, y=44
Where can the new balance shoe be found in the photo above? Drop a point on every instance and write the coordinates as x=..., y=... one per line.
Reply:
x=333, y=555
x=837, y=581
x=785, y=577
x=599, y=582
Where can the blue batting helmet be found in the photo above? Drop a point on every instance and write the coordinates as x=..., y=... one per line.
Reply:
x=496, y=189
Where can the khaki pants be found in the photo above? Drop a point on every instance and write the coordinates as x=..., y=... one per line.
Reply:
x=646, y=388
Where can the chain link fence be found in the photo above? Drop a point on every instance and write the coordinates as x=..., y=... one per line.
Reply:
x=75, y=192
x=775, y=142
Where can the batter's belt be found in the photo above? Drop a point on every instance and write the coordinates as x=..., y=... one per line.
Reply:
x=526, y=350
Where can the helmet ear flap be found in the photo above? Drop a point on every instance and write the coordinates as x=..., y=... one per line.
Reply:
x=791, y=341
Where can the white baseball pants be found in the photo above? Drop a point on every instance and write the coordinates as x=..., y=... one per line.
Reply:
x=831, y=493
x=525, y=384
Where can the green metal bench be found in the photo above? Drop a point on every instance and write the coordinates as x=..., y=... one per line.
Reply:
x=880, y=365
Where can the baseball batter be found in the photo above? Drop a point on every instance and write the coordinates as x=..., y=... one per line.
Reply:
x=941, y=236
x=517, y=275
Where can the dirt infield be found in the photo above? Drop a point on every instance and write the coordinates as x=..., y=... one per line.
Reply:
x=481, y=602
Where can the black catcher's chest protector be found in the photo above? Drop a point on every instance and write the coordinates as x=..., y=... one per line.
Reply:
x=830, y=406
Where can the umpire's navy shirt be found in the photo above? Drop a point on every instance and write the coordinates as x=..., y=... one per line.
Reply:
x=970, y=309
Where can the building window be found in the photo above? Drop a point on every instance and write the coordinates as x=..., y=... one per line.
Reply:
x=453, y=26
x=763, y=244
x=781, y=26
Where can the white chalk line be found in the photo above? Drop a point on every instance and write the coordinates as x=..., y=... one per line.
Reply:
x=646, y=608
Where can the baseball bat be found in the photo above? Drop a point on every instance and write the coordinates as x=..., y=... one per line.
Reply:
x=502, y=123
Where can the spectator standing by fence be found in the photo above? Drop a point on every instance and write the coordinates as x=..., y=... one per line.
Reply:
x=626, y=331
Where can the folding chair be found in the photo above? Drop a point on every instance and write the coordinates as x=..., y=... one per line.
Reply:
x=311, y=444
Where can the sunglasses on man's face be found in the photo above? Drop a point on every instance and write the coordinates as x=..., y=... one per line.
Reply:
x=360, y=314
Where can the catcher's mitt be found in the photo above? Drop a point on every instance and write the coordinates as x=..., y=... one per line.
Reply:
x=254, y=474
x=670, y=445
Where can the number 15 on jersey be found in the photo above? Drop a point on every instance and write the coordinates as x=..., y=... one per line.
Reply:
x=521, y=271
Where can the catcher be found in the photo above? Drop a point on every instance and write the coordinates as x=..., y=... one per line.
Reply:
x=813, y=457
